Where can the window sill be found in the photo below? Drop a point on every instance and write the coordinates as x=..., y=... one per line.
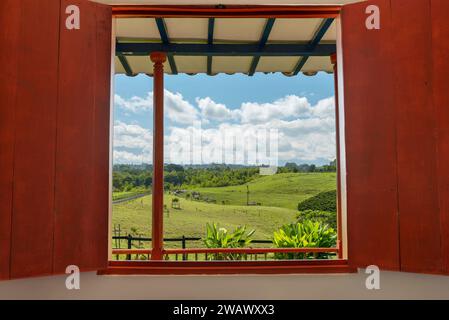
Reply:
x=227, y=267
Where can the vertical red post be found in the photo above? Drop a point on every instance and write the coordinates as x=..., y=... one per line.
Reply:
x=158, y=58
x=337, y=131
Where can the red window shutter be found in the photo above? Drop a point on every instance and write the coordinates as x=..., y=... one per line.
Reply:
x=372, y=213
x=440, y=50
x=35, y=105
x=9, y=38
x=416, y=143
x=56, y=162
x=82, y=150
x=397, y=217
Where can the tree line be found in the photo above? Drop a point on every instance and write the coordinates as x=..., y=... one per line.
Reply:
x=129, y=177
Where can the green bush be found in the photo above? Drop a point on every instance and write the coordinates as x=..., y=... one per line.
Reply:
x=324, y=201
x=304, y=235
x=217, y=237
x=323, y=217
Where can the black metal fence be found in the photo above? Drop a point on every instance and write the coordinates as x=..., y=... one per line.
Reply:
x=138, y=241
x=123, y=239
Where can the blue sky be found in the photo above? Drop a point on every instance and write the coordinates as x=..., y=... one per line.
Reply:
x=300, y=109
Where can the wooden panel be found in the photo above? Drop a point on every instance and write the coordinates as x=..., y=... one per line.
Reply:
x=370, y=139
x=81, y=225
x=34, y=165
x=440, y=49
x=416, y=138
x=102, y=136
x=9, y=38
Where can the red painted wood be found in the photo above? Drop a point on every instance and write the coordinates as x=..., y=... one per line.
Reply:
x=82, y=157
x=35, y=136
x=228, y=267
x=9, y=38
x=370, y=130
x=416, y=138
x=392, y=92
x=440, y=49
x=247, y=250
x=158, y=58
x=102, y=134
x=280, y=269
x=226, y=250
x=236, y=11
x=147, y=263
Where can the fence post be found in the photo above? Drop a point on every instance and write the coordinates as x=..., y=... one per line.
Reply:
x=130, y=241
x=184, y=256
x=119, y=234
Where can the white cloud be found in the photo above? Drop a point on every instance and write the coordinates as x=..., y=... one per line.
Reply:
x=306, y=126
x=177, y=109
x=131, y=136
x=211, y=110
x=325, y=108
x=132, y=143
x=135, y=104
x=287, y=107
x=126, y=157
x=305, y=132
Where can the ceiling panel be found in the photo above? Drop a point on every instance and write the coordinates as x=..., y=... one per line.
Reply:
x=187, y=29
x=118, y=66
x=238, y=30
x=231, y=64
x=318, y=64
x=191, y=64
x=139, y=28
x=277, y=64
x=241, y=30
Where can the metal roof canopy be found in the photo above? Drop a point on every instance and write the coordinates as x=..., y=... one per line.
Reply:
x=227, y=39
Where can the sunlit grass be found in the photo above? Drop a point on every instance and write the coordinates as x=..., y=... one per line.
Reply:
x=278, y=195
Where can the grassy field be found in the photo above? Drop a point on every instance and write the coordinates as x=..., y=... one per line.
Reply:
x=126, y=194
x=279, y=196
x=190, y=220
x=281, y=190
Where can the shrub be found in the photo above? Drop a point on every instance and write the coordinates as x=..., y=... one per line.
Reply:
x=175, y=204
x=324, y=201
x=308, y=234
x=323, y=217
x=217, y=237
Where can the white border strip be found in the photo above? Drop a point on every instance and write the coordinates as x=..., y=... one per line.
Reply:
x=341, y=119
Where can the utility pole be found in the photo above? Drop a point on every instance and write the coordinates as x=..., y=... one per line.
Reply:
x=247, y=195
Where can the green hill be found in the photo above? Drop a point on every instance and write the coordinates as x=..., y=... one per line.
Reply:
x=283, y=190
x=278, y=195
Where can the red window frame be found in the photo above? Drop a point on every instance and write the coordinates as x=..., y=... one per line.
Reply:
x=159, y=266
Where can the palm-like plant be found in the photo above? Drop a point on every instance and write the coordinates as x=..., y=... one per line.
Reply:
x=308, y=234
x=218, y=237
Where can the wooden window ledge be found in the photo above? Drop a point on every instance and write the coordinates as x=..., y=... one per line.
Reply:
x=227, y=267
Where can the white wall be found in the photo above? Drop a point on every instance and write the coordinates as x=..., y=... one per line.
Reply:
x=351, y=286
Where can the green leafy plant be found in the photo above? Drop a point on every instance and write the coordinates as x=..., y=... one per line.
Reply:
x=323, y=217
x=218, y=237
x=308, y=234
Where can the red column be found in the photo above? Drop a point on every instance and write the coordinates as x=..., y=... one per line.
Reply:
x=337, y=131
x=158, y=58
